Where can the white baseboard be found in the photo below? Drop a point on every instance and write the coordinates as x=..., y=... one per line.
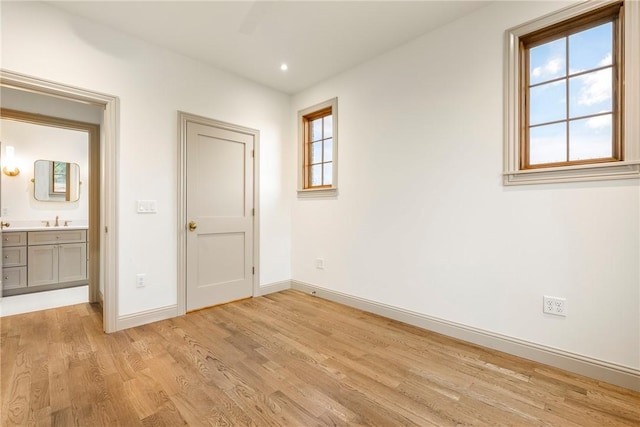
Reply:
x=598, y=369
x=143, y=317
x=273, y=287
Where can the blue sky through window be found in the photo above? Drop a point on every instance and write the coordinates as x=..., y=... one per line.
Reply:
x=554, y=83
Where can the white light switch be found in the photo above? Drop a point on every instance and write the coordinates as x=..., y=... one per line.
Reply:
x=147, y=206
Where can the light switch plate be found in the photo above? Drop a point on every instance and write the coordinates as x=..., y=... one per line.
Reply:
x=147, y=206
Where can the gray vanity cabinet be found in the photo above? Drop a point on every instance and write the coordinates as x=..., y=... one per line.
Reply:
x=43, y=260
x=57, y=257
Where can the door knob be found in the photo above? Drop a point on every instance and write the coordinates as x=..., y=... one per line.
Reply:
x=4, y=224
x=192, y=225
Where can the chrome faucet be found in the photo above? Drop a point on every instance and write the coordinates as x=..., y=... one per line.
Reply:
x=56, y=224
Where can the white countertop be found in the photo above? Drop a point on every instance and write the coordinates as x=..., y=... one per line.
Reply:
x=43, y=228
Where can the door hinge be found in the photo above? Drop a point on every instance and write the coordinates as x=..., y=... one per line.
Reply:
x=106, y=229
x=253, y=212
x=253, y=153
x=253, y=270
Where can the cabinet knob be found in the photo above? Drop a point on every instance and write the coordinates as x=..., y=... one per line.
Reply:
x=6, y=277
x=6, y=257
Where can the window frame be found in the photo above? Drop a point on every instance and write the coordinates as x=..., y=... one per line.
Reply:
x=53, y=190
x=516, y=172
x=304, y=117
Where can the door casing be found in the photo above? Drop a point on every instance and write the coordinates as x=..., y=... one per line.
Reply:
x=108, y=216
x=183, y=119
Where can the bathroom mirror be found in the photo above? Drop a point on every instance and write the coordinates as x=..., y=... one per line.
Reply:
x=56, y=181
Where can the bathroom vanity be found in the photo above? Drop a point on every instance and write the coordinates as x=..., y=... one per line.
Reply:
x=43, y=259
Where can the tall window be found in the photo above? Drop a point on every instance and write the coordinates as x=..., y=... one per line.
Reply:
x=572, y=112
x=571, y=80
x=318, y=148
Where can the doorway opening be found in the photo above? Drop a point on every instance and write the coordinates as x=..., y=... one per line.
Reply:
x=103, y=216
x=67, y=188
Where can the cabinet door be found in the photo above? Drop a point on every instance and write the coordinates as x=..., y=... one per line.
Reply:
x=72, y=262
x=14, y=277
x=14, y=256
x=43, y=265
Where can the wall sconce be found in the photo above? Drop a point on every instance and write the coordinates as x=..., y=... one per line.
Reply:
x=10, y=168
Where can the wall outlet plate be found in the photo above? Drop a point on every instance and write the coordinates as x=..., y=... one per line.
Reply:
x=554, y=305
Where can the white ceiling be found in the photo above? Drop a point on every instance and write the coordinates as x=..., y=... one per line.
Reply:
x=317, y=39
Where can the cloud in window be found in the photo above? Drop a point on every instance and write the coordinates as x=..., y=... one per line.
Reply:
x=599, y=122
x=606, y=60
x=596, y=88
x=552, y=68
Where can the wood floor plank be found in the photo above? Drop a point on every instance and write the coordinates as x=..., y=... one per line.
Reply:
x=285, y=359
x=59, y=397
x=15, y=398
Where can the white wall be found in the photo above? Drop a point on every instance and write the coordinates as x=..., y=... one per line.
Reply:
x=35, y=142
x=153, y=84
x=422, y=221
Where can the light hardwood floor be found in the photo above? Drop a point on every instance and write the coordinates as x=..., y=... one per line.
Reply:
x=284, y=359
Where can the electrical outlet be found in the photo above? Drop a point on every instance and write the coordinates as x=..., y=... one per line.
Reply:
x=554, y=305
x=141, y=280
x=320, y=263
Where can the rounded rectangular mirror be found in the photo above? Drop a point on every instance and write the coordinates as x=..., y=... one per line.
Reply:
x=56, y=181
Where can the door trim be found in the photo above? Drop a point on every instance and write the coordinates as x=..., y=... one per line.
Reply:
x=108, y=181
x=183, y=119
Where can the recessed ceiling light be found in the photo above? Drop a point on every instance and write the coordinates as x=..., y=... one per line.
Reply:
x=284, y=67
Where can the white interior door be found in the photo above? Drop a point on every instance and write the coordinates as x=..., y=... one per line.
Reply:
x=219, y=197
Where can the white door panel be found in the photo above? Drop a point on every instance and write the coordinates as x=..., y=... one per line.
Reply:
x=219, y=204
x=221, y=173
x=221, y=257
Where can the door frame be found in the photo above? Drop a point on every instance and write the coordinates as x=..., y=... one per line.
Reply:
x=183, y=120
x=108, y=215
